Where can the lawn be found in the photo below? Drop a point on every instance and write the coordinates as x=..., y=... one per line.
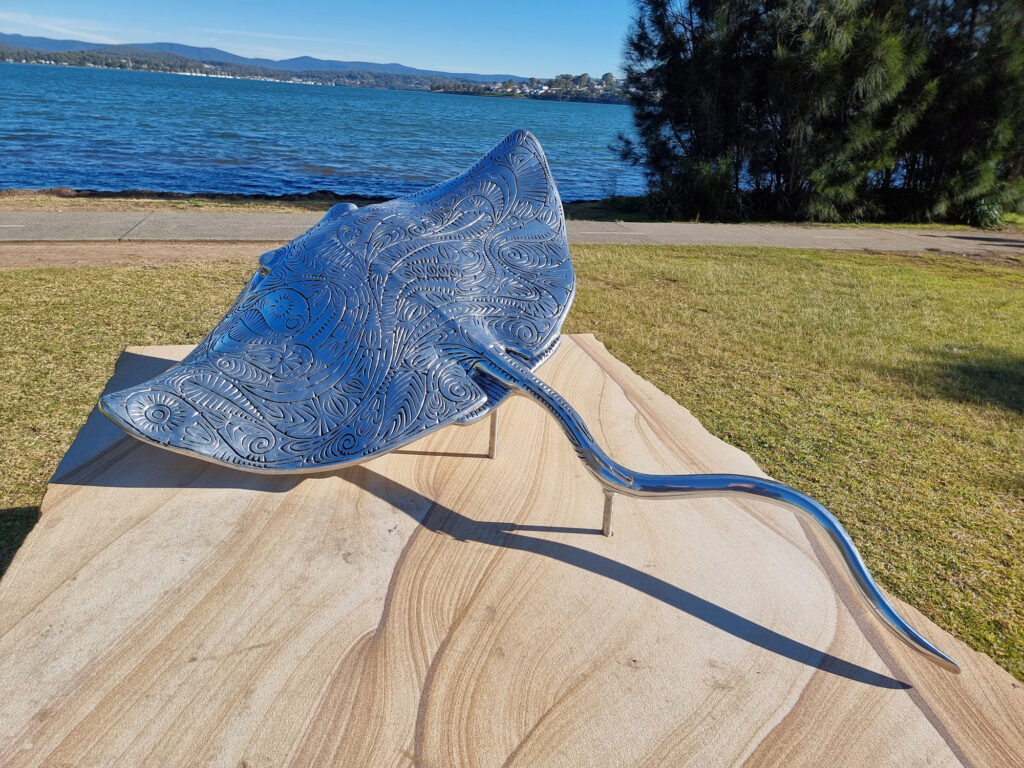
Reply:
x=889, y=387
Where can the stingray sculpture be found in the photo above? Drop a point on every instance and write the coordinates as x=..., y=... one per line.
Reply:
x=382, y=324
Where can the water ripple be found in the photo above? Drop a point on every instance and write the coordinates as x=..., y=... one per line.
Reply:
x=112, y=130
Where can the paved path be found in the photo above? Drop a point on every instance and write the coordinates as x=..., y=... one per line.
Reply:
x=264, y=227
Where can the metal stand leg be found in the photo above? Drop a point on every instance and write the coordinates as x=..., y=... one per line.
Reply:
x=492, y=448
x=606, y=524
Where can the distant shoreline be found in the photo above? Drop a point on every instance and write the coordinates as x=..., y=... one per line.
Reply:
x=364, y=80
x=574, y=99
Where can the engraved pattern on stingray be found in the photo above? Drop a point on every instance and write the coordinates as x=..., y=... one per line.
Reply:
x=362, y=334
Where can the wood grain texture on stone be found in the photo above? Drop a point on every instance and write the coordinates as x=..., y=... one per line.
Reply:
x=437, y=608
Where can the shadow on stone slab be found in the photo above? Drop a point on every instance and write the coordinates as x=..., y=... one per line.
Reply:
x=15, y=525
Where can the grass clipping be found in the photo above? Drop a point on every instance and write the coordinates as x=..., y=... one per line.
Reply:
x=891, y=388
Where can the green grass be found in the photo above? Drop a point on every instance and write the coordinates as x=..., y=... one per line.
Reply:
x=1013, y=220
x=889, y=387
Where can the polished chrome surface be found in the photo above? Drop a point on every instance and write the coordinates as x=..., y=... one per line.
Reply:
x=492, y=442
x=354, y=338
x=384, y=323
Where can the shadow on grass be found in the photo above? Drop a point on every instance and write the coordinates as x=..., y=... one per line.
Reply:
x=609, y=209
x=15, y=524
x=972, y=375
x=1004, y=241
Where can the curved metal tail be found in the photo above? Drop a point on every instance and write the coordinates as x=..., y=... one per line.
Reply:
x=615, y=477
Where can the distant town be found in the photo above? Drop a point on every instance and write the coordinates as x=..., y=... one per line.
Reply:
x=210, y=62
x=606, y=89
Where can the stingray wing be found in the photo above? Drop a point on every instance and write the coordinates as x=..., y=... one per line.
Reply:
x=364, y=333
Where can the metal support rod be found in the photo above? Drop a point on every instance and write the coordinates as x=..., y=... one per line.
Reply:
x=606, y=523
x=492, y=446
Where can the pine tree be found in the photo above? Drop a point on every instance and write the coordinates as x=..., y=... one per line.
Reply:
x=684, y=68
x=964, y=159
x=832, y=114
x=780, y=108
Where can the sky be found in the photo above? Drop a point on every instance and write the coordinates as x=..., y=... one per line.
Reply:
x=532, y=38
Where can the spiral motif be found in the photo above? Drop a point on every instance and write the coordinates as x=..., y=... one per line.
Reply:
x=255, y=441
x=453, y=385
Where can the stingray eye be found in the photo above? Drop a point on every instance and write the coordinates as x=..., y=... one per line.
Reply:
x=339, y=210
x=285, y=310
x=269, y=259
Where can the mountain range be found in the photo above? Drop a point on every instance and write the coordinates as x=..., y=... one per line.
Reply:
x=216, y=56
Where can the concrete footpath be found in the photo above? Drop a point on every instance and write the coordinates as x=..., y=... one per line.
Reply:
x=129, y=226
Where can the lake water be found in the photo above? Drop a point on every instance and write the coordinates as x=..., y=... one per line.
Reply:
x=117, y=130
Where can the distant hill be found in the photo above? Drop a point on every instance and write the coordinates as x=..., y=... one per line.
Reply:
x=47, y=44
x=217, y=56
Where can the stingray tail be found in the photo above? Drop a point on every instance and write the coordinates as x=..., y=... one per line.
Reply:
x=616, y=478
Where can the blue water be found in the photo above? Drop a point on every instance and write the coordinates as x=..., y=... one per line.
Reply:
x=117, y=130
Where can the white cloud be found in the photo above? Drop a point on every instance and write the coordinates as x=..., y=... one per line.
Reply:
x=47, y=26
x=241, y=42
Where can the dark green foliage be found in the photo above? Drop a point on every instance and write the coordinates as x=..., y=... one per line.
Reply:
x=828, y=110
x=964, y=159
x=109, y=57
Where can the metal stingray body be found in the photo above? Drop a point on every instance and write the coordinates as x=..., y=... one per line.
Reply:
x=364, y=332
x=382, y=324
